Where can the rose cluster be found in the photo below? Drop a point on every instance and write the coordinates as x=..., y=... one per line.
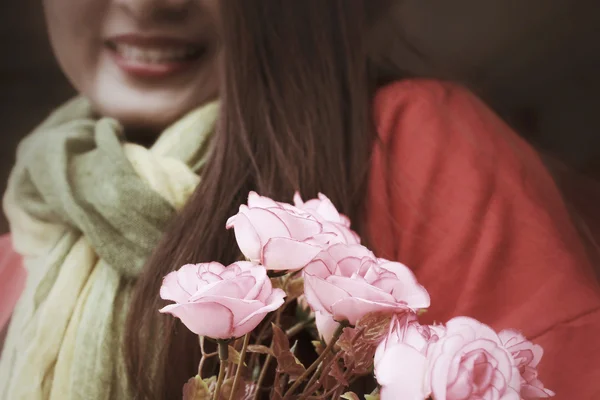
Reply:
x=343, y=282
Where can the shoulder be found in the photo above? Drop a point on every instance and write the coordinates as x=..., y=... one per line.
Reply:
x=423, y=109
x=457, y=195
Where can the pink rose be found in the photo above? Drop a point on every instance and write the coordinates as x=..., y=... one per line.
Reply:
x=527, y=356
x=470, y=361
x=348, y=282
x=220, y=302
x=407, y=341
x=326, y=325
x=277, y=235
x=405, y=328
x=325, y=212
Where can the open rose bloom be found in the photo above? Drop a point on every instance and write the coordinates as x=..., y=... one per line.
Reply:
x=347, y=282
x=527, y=356
x=220, y=302
x=464, y=360
x=284, y=237
x=365, y=310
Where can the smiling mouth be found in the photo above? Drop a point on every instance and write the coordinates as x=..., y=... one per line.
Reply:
x=156, y=54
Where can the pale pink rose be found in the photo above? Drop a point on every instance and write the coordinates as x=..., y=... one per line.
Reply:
x=401, y=372
x=526, y=356
x=405, y=328
x=220, y=302
x=347, y=282
x=400, y=359
x=326, y=325
x=277, y=235
x=325, y=212
x=471, y=362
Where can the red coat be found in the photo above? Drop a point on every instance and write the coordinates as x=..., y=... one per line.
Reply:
x=458, y=197
x=12, y=279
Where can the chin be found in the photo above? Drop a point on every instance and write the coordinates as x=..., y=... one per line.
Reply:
x=154, y=119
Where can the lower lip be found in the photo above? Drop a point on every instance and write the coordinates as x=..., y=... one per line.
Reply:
x=150, y=70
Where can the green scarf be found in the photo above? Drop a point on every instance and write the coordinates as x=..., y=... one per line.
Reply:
x=86, y=209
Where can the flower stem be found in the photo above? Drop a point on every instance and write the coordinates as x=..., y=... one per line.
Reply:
x=261, y=378
x=314, y=365
x=297, y=328
x=238, y=372
x=223, y=356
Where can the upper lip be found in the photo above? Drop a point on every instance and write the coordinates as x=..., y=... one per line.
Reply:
x=150, y=40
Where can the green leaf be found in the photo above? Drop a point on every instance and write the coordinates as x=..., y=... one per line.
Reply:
x=259, y=348
x=197, y=389
x=374, y=394
x=286, y=361
x=281, y=344
x=350, y=396
x=318, y=345
x=233, y=356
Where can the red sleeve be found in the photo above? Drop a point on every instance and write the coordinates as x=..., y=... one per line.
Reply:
x=457, y=196
x=12, y=279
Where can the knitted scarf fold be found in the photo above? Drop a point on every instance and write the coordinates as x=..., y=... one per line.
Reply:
x=86, y=208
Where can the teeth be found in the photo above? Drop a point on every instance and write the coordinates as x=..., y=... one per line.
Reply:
x=155, y=55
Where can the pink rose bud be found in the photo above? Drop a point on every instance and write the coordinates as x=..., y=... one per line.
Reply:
x=405, y=329
x=325, y=212
x=347, y=282
x=220, y=302
x=401, y=361
x=277, y=235
x=526, y=356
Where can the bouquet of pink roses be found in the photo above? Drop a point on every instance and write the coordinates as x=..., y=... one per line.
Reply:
x=306, y=269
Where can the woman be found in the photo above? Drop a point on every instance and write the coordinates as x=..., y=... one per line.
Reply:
x=312, y=99
x=85, y=205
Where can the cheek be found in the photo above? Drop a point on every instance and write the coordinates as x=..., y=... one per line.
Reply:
x=75, y=32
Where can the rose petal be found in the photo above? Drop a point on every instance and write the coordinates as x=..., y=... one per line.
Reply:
x=479, y=330
x=319, y=267
x=298, y=200
x=287, y=254
x=204, y=319
x=267, y=223
x=257, y=201
x=262, y=287
x=252, y=320
x=180, y=285
x=348, y=266
x=230, y=288
x=300, y=226
x=341, y=251
x=320, y=294
x=246, y=236
x=352, y=309
x=326, y=325
x=239, y=308
x=532, y=392
x=360, y=289
x=401, y=372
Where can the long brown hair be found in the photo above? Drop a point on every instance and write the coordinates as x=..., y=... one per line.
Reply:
x=296, y=91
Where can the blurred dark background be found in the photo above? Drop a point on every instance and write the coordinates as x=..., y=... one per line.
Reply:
x=537, y=62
